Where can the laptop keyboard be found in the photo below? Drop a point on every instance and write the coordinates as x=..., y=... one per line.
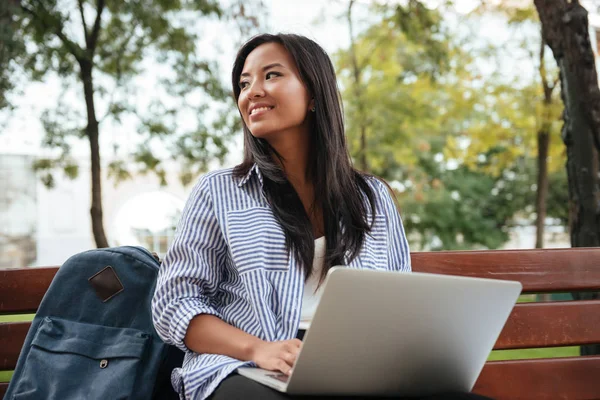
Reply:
x=280, y=377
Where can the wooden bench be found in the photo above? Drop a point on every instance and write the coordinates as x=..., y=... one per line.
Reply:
x=531, y=325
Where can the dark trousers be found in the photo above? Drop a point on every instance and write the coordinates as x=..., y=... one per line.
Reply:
x=237, y=387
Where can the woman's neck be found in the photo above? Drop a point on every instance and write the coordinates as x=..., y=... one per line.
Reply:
x=294, y=154
x=294, y=158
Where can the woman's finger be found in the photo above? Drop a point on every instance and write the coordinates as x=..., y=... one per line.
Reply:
x=296, y=351
x=293, y=344
x=290, y=358
x=284, y=367
x=287, y=357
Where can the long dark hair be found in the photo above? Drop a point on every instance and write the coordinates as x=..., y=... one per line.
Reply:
x=340, y=190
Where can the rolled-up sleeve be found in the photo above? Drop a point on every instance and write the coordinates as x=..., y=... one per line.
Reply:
x=190, y=273
x=398, y=250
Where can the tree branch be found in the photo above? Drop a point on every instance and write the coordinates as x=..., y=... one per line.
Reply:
x=556, y=81
x=550, y=13
x=85, y=28
x=73, y=47
x=353, y=57
x=367, y=59
x=96, y=29
x=119, y=56
x=542, y=69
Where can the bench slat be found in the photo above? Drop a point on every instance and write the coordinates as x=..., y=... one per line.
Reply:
x=12, y=337
x=530, y=325
x=22, y=289
x=553, y=378
x=550, y=324
x=546, y=270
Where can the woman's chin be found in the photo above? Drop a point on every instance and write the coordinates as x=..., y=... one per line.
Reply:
x=262, y=133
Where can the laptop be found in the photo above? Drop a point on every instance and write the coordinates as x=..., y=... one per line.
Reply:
x=391, y=333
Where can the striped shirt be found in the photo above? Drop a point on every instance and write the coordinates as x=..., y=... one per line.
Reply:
x=229, y=259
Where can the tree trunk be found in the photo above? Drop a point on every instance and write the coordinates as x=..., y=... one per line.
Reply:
x=92, y=133
x=543, y=141
x=565, y=30
x=358, y=93
x=363, y=147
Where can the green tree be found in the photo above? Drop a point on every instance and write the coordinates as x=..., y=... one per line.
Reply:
x=413, y=94
x=565, y=30
x=404, y=42
x=461, y=208
x=10, y=48
x=456, y=141
x=101, y=46
x=542, y=100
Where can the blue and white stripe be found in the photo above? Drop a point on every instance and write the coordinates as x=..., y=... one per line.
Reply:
x=229, y=259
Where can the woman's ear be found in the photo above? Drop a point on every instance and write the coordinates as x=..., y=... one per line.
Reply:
x=311, y=105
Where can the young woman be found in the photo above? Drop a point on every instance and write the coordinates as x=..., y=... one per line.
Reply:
x=242, y=278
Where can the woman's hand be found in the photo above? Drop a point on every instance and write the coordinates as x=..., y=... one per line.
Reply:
x=277, y=356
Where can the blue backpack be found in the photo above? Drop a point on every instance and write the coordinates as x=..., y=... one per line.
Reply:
x=93, y=337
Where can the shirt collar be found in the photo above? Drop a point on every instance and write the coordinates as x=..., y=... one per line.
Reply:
x=253, y=170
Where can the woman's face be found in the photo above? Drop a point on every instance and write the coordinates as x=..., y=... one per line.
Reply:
x=273, y=100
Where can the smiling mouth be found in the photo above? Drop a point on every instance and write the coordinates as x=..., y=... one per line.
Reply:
x=260, y=110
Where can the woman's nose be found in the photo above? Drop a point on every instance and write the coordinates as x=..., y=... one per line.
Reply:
x=255, y=90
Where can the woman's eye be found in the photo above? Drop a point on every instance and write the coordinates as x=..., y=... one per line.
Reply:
x=243, y=84
x=272, y=75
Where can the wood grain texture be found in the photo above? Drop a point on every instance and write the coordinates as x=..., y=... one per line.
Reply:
x=554, y=378
x=545, y=270
x=551, y=324
x=530, y=324
x=12, y=337
x=22, y=289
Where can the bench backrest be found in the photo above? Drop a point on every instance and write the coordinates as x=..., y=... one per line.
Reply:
x=536, y=325
x=531, y=325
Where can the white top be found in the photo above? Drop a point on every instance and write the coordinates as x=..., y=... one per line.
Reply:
x=312, y=293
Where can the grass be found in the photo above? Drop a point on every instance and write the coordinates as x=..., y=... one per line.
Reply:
x=17, y=318
x=526, y=298
x=6, y=375
x=571, y=351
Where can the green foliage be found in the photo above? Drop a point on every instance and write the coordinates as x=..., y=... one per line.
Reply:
x=423, y=27
x=558, y=196
x=46, y=167
x=11, y=49
x=465, y=208
x=116, y=41
x=517, y=108
x=118, y=171
x=516, y=13
x=443, y=219
x=459, y=145
x=507, y=129
x=405, y=107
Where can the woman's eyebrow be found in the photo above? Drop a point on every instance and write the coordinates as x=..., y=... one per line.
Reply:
x=266, y=67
